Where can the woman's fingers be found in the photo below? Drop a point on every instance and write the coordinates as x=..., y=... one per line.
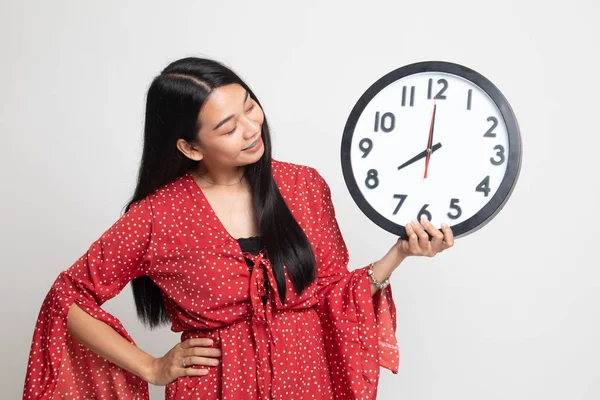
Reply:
x=188, y=371
x=448, y=236
x=437, y=237
x=196, y=342
x=195, y=360
x=188, y=362
x=203, y=352
x=423, y=237
x=413, y=239
x=197, y=352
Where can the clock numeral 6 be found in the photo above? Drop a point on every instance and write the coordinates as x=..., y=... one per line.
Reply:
x=484, y=186
x=500, y=154
x=366, y=145
x=401, y=198
x=423, y=211
x=386, y=123
x=454, y=205
x=372, y=180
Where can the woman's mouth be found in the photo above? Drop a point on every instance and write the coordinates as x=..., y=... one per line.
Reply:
x=253, y=144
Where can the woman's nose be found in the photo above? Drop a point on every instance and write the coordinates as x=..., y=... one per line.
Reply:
x=251, y=128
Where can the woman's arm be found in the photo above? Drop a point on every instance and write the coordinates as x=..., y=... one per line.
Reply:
x=107, y=343
x=418, y=244
x=80, y=351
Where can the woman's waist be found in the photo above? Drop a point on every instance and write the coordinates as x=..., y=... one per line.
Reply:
x=217, y=329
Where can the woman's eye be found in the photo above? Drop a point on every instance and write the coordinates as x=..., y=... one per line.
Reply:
x=251, y=108
x=231, y=131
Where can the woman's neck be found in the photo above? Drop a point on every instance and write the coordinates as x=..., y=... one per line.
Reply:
x=223, y=177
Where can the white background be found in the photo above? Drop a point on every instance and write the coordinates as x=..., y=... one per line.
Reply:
x=511, y=312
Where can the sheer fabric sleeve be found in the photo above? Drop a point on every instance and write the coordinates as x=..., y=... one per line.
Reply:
x=359, y=329
x=59, y=366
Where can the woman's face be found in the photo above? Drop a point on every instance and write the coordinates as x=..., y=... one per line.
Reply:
x=231, y=125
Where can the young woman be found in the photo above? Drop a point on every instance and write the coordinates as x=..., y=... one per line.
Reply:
x=239, y=252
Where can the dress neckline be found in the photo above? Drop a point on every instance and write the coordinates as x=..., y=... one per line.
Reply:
x=198, y=190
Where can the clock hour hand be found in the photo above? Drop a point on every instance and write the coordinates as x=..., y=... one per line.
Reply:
x=422, y=154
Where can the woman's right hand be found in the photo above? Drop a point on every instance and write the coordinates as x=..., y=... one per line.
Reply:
x=195, y=351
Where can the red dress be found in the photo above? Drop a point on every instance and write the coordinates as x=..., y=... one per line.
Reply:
x=327, y=343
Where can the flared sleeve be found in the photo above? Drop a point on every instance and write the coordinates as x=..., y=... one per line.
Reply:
x=59, y=366
x=359, y=329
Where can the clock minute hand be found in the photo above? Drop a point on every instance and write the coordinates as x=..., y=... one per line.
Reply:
x=422, y=154
x=430, y=140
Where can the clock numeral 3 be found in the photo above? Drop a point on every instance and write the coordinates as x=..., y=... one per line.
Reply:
x=484, y=186
x=500, y=154
x=454, y=205
x=401, y=198
x=372, y=180
x=386, y=123
x=440, y=95
x=423, y=211
x=490, y=132
x=366, y=145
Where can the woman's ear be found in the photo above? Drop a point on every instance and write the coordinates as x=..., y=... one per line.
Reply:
x=190, y=150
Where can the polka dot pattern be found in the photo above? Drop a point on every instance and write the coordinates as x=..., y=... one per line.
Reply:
x=326, y=343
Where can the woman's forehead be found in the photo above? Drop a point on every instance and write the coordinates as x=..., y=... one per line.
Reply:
x=222, y=103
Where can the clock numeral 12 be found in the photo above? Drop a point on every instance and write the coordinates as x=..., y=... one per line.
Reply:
x=440, y=95
x=386, y=123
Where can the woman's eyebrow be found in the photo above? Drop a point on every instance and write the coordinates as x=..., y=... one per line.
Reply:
x=231, y=116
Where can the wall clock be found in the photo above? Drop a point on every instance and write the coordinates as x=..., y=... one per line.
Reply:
x=433, y=139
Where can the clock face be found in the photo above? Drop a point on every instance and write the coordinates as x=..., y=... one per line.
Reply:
x=432, y=139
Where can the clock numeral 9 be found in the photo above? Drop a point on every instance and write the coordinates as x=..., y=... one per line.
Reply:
x=386, y=123
x=500, y=154
x=490, y=132
x=423, y=211
x=366, y=145
x=372, y=180
x=484, y=186
x=440, y=95
x=401, y=198
x=454, y=205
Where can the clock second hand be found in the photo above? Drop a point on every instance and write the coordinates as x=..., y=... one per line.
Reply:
x=430, y=140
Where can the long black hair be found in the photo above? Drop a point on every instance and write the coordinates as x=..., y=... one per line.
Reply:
x=173, y=104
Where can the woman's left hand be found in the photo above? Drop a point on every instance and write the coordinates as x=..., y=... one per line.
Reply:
x=418, y=243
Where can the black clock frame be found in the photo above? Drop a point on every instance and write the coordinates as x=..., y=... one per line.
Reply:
x=496, y=203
